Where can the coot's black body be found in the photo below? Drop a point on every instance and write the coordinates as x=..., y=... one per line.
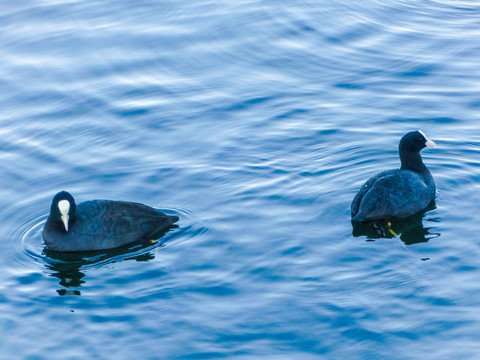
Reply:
x=401, y=192
x=100, y=224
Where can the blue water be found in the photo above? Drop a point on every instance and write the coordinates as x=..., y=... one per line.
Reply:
x=255, y=122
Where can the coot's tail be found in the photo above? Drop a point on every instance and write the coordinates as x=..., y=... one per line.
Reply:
x=358, y=217
x=163, y=226
x=172, y=219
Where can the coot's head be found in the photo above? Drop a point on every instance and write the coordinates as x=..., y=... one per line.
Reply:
x=62, y=211
x=415, y=141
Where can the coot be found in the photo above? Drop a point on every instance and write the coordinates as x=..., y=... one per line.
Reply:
x=401, y=192
x=100, y=224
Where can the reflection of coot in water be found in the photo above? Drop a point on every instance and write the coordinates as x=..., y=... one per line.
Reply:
x=70, y=276
x=68, y=266
x=409, y=229
x=100, y=224
x=398, y=193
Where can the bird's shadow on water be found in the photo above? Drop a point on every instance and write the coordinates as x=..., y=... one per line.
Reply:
x=70, y=267
x=410, y=230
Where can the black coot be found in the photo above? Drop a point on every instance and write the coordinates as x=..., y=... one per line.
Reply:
x=401, y=192
x=100, y=224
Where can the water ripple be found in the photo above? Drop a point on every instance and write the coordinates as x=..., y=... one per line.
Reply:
x=256, y=123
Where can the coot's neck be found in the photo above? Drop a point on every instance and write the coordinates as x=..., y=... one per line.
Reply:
x=412, y=160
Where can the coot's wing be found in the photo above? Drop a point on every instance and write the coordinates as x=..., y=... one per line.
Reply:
x=396, y=194
x=355, y=206
x=121, y=219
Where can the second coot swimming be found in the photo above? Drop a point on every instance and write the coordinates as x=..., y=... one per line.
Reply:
x=400, y=192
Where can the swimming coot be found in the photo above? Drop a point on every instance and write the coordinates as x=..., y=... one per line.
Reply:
x=100, y=224
x=401, y=192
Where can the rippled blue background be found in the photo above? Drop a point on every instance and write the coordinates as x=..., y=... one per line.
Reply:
x=256, y=122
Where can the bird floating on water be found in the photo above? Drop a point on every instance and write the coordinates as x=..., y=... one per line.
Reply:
x=100, y=224
x=400, y=192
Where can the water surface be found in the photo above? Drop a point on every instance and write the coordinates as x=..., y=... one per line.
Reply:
x=255, y=122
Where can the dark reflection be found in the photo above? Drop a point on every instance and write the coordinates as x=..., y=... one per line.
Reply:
x=410, y=230
x=70, y=267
